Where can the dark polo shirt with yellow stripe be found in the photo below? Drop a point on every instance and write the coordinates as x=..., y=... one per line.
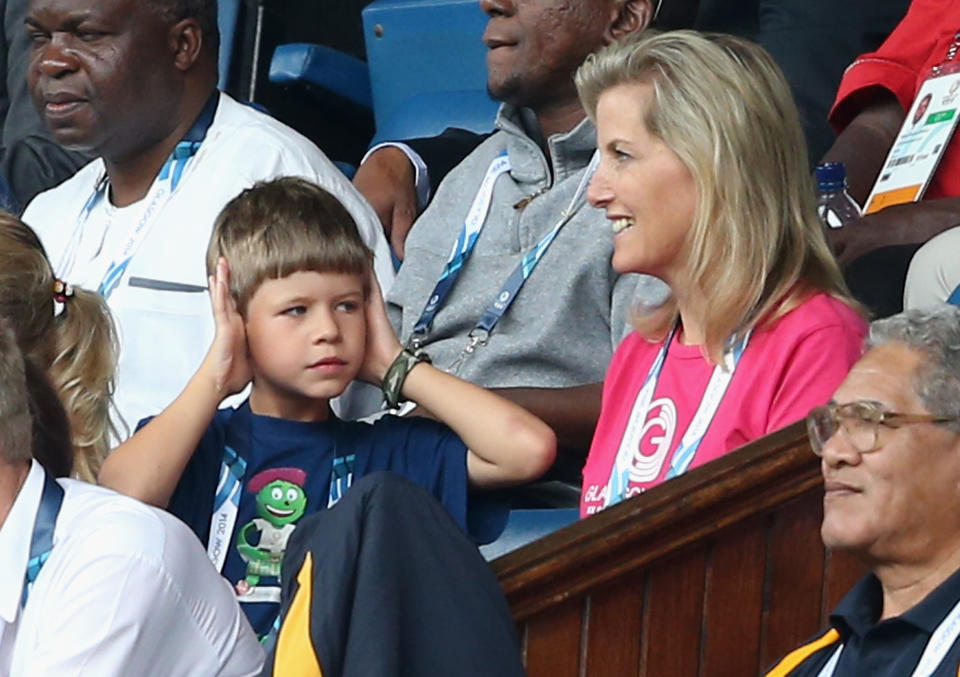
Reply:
x=891, y=648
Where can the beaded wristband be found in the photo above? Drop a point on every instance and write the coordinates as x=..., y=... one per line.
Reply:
x=393, y=380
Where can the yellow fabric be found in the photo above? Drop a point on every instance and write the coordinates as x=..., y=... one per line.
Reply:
x=295, y=656
x=798, y=656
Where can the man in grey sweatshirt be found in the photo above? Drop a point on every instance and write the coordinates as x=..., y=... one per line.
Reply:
x=533, y=309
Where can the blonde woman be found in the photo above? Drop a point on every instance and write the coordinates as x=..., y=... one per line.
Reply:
x=703, y=175
x=66, y=333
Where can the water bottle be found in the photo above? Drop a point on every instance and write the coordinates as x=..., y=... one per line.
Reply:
x=835, y=207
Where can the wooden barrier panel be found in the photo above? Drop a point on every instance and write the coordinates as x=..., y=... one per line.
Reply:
x=718, y=572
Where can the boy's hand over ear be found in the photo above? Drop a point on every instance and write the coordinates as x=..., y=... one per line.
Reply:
x=226, y=362
x=382, y=344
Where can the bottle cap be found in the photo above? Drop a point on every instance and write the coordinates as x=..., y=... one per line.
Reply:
x=831, y=177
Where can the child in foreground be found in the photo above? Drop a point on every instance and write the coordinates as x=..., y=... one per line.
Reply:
x=299, y=314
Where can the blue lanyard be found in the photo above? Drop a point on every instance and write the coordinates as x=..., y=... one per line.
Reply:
x=167, y=182
x=517, y=278
x=511, y=288
x=508, y=293
x=463, y=247
x=41, y=544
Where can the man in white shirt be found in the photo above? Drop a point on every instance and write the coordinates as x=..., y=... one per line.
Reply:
x=95, y=583
x=134, y=82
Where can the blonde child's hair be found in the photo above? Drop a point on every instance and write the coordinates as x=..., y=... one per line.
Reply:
x=281, y=227
x=77, y=348
x=757, y=248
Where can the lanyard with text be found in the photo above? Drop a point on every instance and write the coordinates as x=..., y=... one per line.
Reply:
x=41, y=544
x=720, y=379
x=941, y=640
x=157, y=198
x=511, y=288
x=226, y=501
x=463, y=247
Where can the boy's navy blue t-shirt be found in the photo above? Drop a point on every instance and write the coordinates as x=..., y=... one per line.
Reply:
x=294, y=469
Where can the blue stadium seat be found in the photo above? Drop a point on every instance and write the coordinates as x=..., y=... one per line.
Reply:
x=322, y=67
x=526, y=526
x=429, y=113
x=425, y=68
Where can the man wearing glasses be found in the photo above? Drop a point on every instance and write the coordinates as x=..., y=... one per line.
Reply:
x=890, y=449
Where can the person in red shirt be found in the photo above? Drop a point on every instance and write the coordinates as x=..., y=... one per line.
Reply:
x=876, y=92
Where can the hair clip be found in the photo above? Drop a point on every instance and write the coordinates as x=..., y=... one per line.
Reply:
x=62, y=291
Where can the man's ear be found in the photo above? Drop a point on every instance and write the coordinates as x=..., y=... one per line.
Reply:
x=632, y=16
x=186, y=40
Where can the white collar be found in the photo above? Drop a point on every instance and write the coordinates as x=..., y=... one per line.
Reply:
x=15, y=536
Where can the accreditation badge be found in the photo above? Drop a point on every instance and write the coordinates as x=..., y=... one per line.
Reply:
x=921, y=142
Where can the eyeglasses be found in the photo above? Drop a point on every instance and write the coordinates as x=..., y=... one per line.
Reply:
x=860, y=423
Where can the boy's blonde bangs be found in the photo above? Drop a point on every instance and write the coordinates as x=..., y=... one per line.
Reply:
x=281, y=227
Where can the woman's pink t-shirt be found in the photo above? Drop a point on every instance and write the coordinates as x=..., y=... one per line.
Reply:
x=788, y=367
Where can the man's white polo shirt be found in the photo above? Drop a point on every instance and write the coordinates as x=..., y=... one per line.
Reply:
x=127, y=590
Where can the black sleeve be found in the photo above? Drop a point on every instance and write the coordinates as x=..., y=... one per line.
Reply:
x=443, y=153
x=814, y=42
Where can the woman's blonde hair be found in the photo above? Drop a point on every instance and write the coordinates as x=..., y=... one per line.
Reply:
x=723, y=106
x=77, y=348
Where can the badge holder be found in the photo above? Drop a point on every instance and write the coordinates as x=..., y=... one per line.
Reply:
x=923, y=138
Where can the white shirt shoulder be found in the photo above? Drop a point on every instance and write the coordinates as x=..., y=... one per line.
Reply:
x=128, y=590
x=54, y=213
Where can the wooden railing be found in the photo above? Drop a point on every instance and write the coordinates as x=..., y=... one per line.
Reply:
x=718, y=572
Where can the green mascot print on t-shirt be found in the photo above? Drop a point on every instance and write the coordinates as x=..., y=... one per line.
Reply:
x=281, y=501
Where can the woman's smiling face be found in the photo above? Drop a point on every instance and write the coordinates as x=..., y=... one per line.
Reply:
x=647, y=192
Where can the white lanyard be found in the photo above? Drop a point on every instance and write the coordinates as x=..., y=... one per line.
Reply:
x=941, y=640
x=629, y=451
x=463, y=246
x=226, y=503
x=162, y=189
x=69, y=256
x=157, y=198
x=477, y=216
x=508, y=293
